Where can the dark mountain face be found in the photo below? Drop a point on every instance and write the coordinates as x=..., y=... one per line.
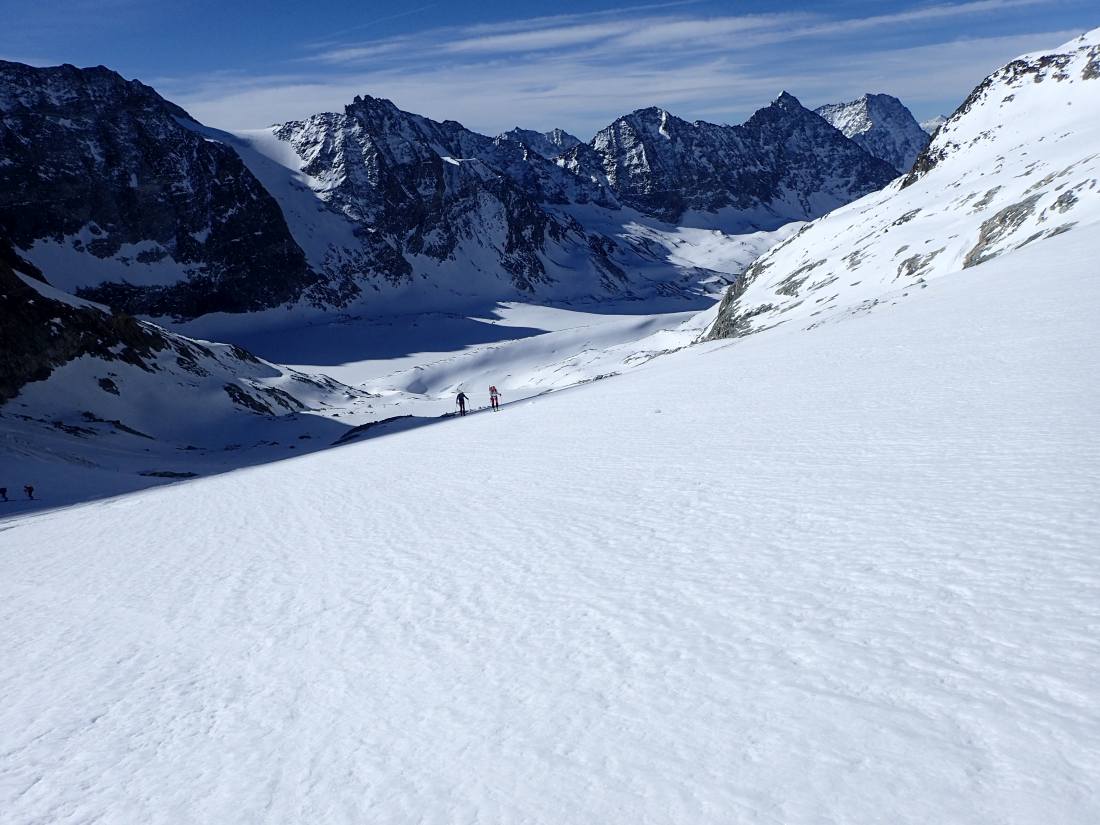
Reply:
x=96, y=164
x=436, y=190
x=141, y=365
x=785, y=163
x=39, y=334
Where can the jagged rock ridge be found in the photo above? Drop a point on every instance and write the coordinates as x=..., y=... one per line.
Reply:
x=785, y=163
x=424, y=191
x=548, y=144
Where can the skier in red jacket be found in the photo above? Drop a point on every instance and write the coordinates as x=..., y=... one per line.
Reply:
x=494, y=398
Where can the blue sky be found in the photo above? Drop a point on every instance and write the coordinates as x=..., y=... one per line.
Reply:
x=493, y=64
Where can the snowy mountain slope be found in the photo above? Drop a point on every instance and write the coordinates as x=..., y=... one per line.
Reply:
x=784, y=164
x=101, y=186
x=882, y=125
x=109, y=420
x=932, y=124
x=1017, y=164
x=93, y=402
x=851, y=577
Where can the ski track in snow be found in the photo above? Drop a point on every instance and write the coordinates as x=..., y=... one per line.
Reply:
x=846, y=575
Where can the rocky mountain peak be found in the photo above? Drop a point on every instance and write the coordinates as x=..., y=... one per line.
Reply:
x=63, y=88
x=787, y=101
x=882, y=125
x=785, y=163
x=550, y=144
x=786, y=108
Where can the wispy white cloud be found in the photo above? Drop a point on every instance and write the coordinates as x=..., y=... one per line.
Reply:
x=580, y=71
x=547, y=38
x=627, y=30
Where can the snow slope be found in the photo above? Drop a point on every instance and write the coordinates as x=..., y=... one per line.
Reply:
x=1017, y=164
x=845, y=575
x=94, y=403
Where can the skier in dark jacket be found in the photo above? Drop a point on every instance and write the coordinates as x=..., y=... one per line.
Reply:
x=29, y=490
x=4, y=493
x=461, y=401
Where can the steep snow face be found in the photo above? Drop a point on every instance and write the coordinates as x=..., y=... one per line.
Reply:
x=932, y=124
x=785, y=163
x=847, y=576
x=102, y=185
x=1015, y=165
x=548, y=144
x=882, y=125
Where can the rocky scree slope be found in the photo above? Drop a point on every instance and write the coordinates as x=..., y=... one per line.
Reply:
x=882, y=125
x=1018, y=162
x=101, y=183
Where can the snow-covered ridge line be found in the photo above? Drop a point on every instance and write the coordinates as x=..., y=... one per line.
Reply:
x=1017, y=163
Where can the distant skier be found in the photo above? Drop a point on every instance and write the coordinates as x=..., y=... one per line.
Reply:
x=494, y=398
x=29, y=490
x=4, y=493
x=461, y=401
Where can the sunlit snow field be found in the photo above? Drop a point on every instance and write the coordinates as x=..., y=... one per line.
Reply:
x=846, y=575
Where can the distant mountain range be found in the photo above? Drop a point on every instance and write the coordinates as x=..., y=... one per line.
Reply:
x=121, y=197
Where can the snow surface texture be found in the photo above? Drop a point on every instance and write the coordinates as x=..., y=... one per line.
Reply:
x=848, y=575
x=1017, y=164
x=882, y=126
